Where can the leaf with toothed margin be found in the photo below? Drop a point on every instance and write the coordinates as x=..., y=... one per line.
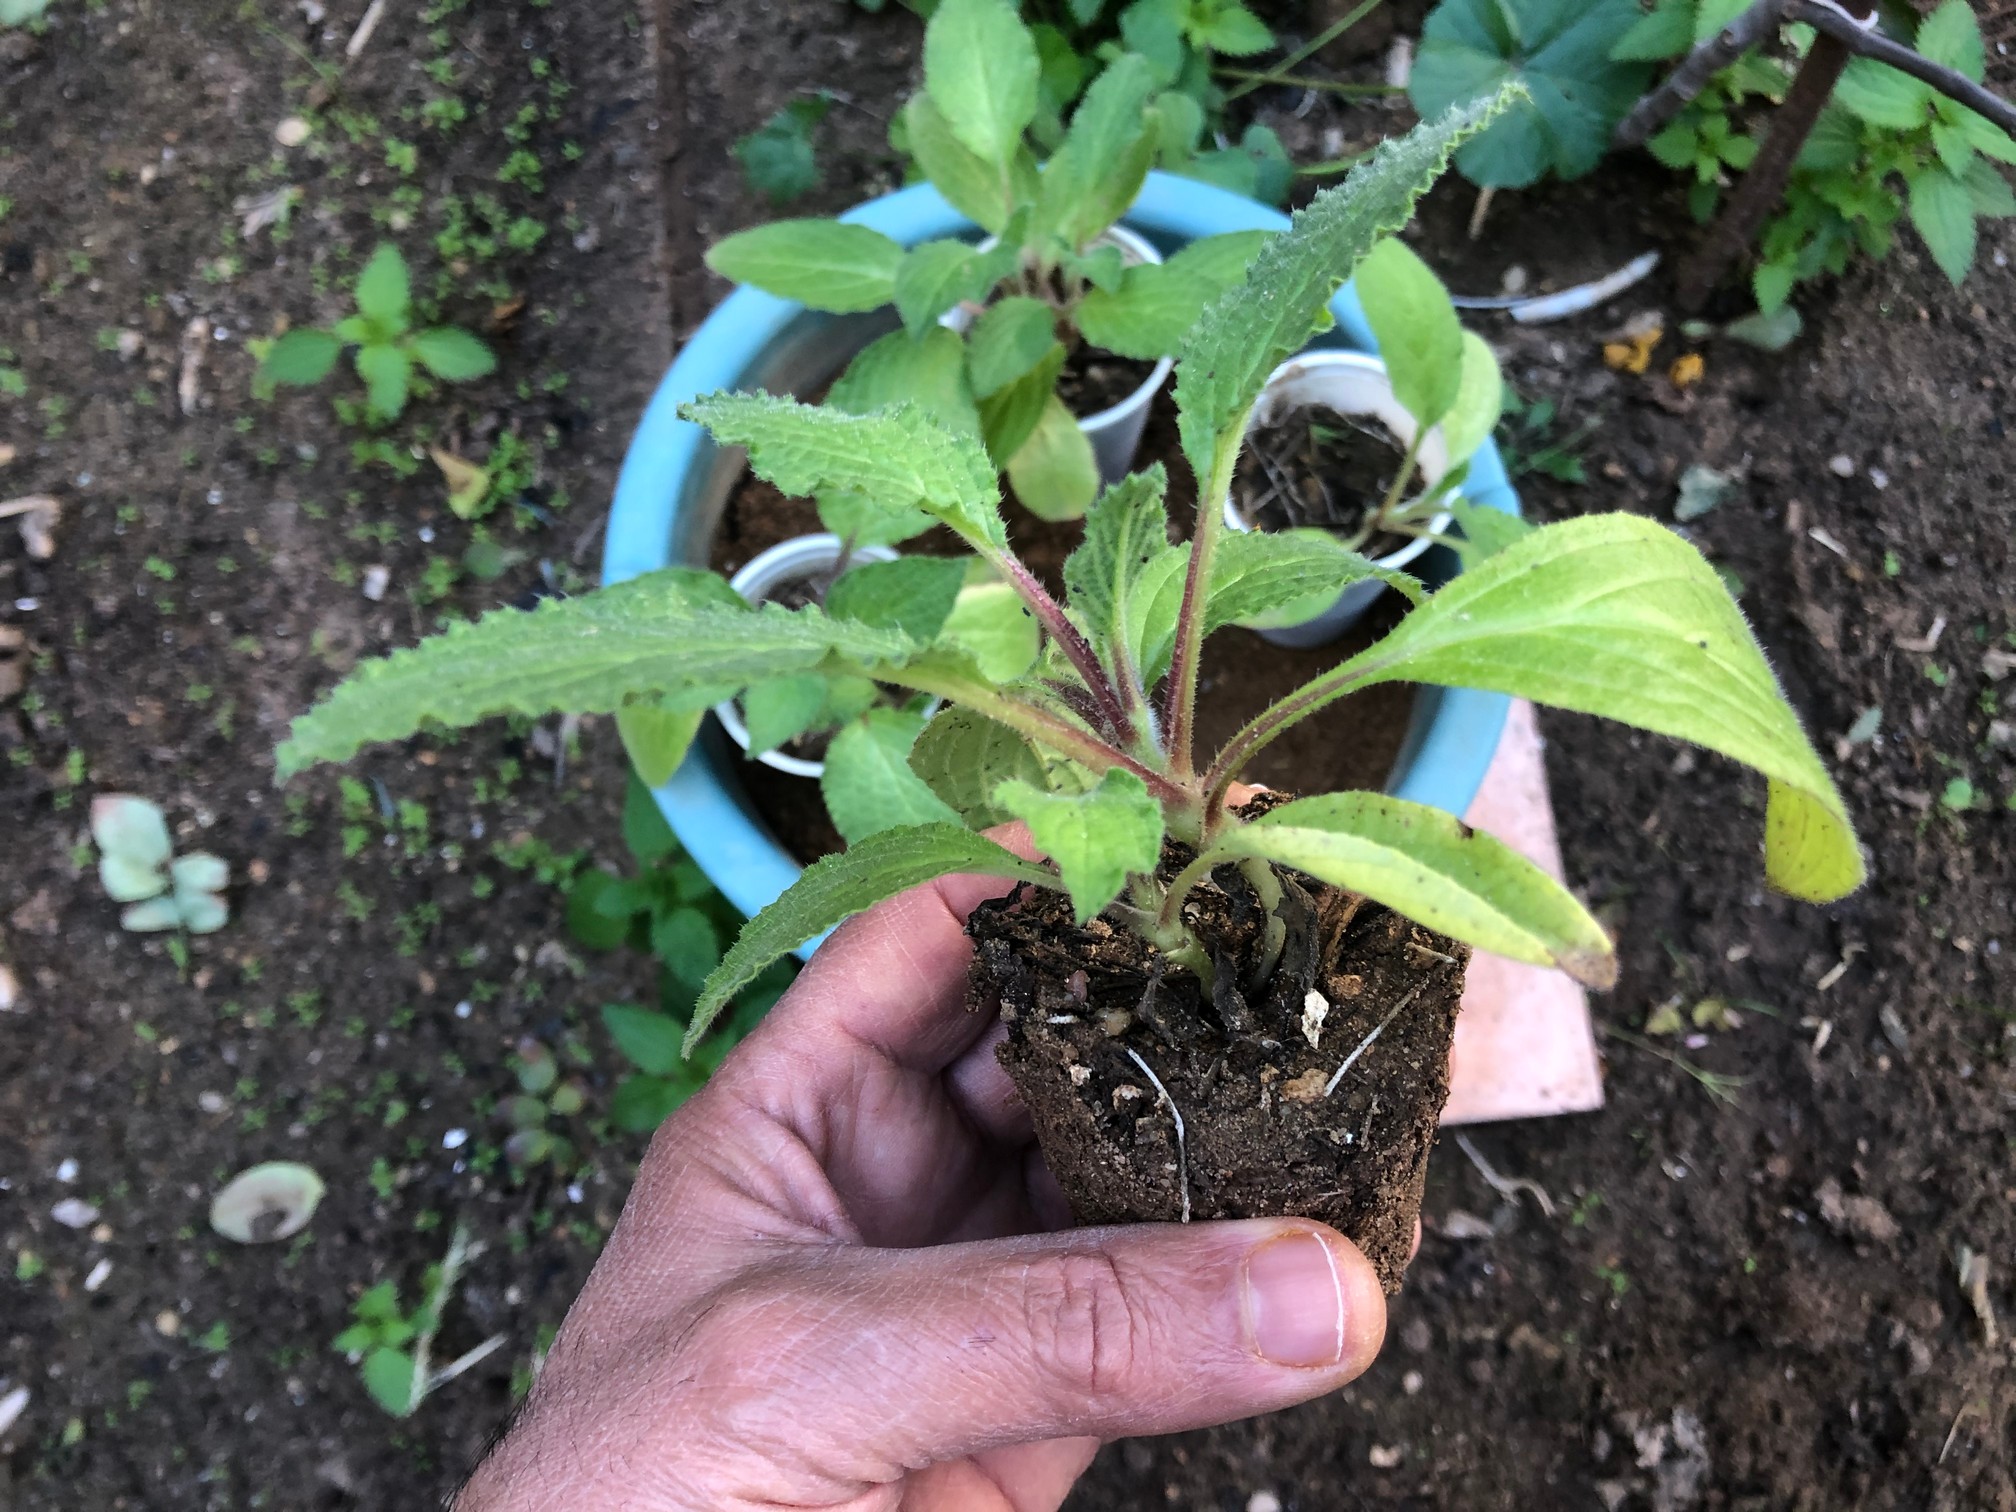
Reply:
x=1096, y=838
x=837, y=887
x=1435, y=869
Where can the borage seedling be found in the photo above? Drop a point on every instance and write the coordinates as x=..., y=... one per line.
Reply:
x=1049, y=285
x=1212, y=1010
x=388, y=348
x=137, y=865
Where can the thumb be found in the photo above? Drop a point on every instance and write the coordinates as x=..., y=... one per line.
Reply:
x=919, y=1356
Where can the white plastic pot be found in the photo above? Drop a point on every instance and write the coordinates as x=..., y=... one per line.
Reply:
x=787, y=562
x=1115, y=432
x=1354, y=385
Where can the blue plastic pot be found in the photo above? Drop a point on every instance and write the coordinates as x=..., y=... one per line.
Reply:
x=675, y=483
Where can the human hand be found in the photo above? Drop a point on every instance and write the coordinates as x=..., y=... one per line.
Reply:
x=844, y=1279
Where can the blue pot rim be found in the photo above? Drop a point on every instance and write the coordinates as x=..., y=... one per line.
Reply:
x=1446, y=755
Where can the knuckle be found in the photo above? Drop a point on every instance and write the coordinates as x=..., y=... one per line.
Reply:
x=1085, y=1330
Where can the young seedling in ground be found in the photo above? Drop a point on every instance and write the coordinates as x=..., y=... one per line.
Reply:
x=543, y=1102
x=137, y=865
x=1213, y=1009
x=1050, y=300
x=390, y=1346
x=388, y=349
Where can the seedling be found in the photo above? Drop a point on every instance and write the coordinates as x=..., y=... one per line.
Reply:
x=390, y=1345
x=778, y=158
x=137, y=865
x=388, y=348
x=1230, y=948
x=543, y=1103
x=1049, y=291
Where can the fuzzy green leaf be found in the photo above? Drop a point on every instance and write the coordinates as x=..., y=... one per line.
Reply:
x=963, y=757
x=1008, y=416
x=1435, y=869
x=1419, y=338
x=132, y=830
x=985, y=193
x=1881, y=96
x=391, y=1376
x=1236, y=32
x=454, y=355
x=1126, y=534
x=657, y=738
x=930, y=373
x=1099, y=168
x=1616, y=616
x=836, y=887
x=387, y=376
x=867, y=781
x=1951, y=35
x=1942, y=210
x=777, y=157
x=1054, y=472
x=384, y=293
x=991, y=624
x=1285, y=577
x=1148, y=316
x=933, y=278
x=1009, y=340
x=1484, y=531
x=1666, y=31
x=981, y=71
x=1989, y=192
x=301, y=358
x=127, y=881
x=1576, y=93
x=1247, y=331
x=1096, y=838
x=660, y=633
x=1480, y=400
x=895, y=457
x=649, y=1041
x=823, y=264
x=912, y=595
x=780, y=709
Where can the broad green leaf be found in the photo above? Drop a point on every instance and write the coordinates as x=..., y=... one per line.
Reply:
x=867, y=782
x=1096, y=838
x=1148, y=316
x=1560, y=51
x=600, y=907
x=911, y=594
x=151, y=916
x=895, y=457
x=823, y=264
x=686, y=944
x=1258, y=167
x=133, y=830
x=1008, y=417
x=1126, y=532
x=837, y=887
x=453, y=355
x=780, y=709
x=1284, y=577
x=642, y=1102
x=858, y=518
x=301, y=358
x=660, y=633
x=656, y=738
x=930, y=373
x=931, y=279
x=963, y=757
x=1420, y=340
x=1098, y=170
x=1484, y=531
x=1220, y=261
x=1616, y=616
x=981, y=71
x=646, y=835
x=991, y=624
x=1880, y=95
x=1950, y=35
x=1180, y=123
x=1054, y=472
x=384, y=293
x=387, y=377
x=1154, y=29
x=1987, y=138
x=202, y=913
x=127, y=881
x=1955, y=152
x=390, y=1376
x=1710, y=16
x=1942, y=210
x=1064, y=71
x=1009, y=339
x=1435, y=869
x=985, y=193
x=199, y=872
x=1236, y=32
x=1102, y=266
x=1480, y=399
x=1666, y=31
x=1246, y=332
x=649, y=1041
x=1989, y=191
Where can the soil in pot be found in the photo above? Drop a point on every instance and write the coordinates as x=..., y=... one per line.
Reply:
x=1093, y=380
x=1316, y=467
x=1351, y=744
x=1251, y=1117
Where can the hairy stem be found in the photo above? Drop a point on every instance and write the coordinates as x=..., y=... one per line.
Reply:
x=1263, y=728
x=1384, y=519
x=1180, y=712
x=1267, y=888
x=1113, y=712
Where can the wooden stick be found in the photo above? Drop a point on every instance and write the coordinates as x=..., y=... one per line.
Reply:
x=1866, y=43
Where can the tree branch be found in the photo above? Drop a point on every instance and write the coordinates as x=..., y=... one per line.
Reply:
x=1873, y=44
x=1687, y=81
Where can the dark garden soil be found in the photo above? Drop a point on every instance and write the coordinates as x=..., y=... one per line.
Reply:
x=1093, y=381
x=1748, y=1304
x=1316, y=468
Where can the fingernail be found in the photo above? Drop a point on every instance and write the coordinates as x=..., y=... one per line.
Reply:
x=1295, y=1301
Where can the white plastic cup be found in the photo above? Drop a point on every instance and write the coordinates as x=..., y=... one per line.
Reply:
x=789, y=561
x=1115, y=432
x=1352, y=384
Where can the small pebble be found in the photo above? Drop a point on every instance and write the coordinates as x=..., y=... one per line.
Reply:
x=167, y=1324
x=212, y=1102
x=99, y=1273
x=454, y=1139
x=1412, y=1382
x=10, y=989
x=1879, y=478
x=1263, y=1501
x=130, y=344
x=12, y=1405
x=67, y=1171
x=463, y=1009
x=1514, y=282
x=1383, y=1457
x=74, y=1213
x=291, y=132
x=1841, y=465
x=377, y=579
